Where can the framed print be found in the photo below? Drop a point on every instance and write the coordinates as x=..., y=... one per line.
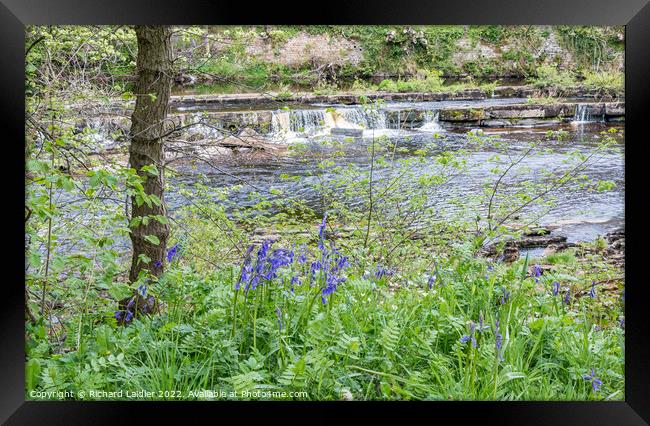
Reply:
x=382, y=210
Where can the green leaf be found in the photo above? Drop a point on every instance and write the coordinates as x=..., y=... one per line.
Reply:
x=160, y=218
x=152, y=239
x=119, y=291
x=151, y=169
x=127, y=96
x=32, y=373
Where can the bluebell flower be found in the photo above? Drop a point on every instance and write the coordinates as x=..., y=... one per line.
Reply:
x=157, y=265
x=596, y=383
x=498, y=339
x=321, y=228
x=142, y=290
x=302, y=256
x=506, y=296
x=622, y=322
x=537, y=272
x=129, y=316
x=118, y=315
x=381, y=272
x=431, y=281
x=172, y=252
x=567, y=296
x=481, y=328
x=556, y=288
x=464, y=339
x=246, y=269
x=592, y=292
x=131, y=303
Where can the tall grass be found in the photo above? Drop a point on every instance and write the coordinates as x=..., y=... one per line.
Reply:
x=381, y=334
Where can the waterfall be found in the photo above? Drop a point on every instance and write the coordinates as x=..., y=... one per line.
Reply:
x=431, y=123
x=364, y=118
x=311, y=122
x=307, y=121
x=582, y=114
x=281, y=124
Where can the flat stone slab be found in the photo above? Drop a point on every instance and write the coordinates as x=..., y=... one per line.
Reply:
x=528, y=114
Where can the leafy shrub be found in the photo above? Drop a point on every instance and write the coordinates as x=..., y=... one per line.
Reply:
x=606, y=84
x=550, y=76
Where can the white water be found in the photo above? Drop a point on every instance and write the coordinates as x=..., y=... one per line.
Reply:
x=583, y=115
x=431, y=123
x=298, y=124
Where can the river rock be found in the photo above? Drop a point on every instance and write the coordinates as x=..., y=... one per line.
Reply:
x=347, y=131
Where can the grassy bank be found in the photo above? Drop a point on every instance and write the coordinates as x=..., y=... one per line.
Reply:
x=448, y=326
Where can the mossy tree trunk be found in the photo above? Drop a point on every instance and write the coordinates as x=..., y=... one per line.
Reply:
x=152, y=91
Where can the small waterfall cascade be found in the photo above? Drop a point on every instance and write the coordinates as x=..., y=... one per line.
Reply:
x=431, y=121
x=364, y=118
x=281, y=123
x=310, y=122
x=582, y=114
x=288, y=124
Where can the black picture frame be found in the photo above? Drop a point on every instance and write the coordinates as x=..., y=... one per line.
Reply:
x=634, y=14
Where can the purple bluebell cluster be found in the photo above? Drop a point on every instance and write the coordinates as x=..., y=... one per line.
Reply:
x=295, y=280
x=302, y=255
x=264, y=265
x=246, y=269
x=596, y=383
x=382, y=272
x=265, y=268
x=172, y=252
x=431, y=281
x=464, y=339
x=556, y=288
x=592, y=292
x=329, y=265
x=123, y=316
x=567, y=296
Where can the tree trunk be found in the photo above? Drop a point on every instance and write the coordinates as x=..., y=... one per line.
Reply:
x=152, y=90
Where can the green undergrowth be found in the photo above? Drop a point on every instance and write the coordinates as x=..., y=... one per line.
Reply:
x=427, y=332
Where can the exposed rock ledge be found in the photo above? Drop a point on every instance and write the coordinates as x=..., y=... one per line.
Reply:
x=529, y=114
x=247, y=99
